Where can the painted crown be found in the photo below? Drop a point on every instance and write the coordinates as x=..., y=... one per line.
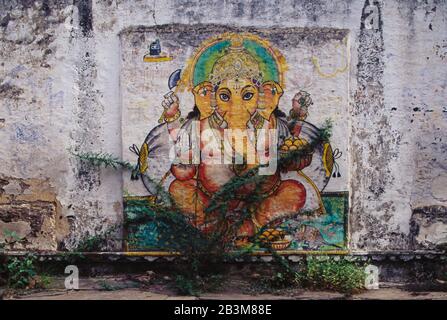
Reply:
x=237, y=63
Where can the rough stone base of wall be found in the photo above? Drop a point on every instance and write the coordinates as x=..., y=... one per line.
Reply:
x=29, y=214
x=396, y=268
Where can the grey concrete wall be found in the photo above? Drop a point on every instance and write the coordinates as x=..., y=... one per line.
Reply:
x=60, y=90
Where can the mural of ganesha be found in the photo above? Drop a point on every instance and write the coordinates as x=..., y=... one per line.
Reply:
x=235, y=125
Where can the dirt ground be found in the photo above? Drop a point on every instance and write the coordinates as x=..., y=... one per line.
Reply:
x=143, y=287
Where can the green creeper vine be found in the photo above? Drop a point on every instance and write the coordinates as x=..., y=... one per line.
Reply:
x=205, y=253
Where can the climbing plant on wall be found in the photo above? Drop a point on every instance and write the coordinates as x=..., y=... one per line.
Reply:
x=206, y=248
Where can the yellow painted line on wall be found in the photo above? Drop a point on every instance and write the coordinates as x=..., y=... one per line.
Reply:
x=157, y=59
x=259, y=253
x=337, y=71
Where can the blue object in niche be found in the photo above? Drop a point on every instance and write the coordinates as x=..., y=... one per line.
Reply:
x=155, y=48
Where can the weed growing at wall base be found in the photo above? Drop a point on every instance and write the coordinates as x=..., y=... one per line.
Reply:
x=343, y=276
x=315, y=274
x=21, y=271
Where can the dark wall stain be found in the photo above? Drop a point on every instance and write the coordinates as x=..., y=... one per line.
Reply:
x=8, y=91
x=282, y=37
x=369, y=98
x=5, y=20
x=378, y=143
x=88, y=111
x=6, y=5
x=46, y=9
x=85, y=16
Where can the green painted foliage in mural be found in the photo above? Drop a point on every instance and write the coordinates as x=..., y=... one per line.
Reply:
x=157, y=233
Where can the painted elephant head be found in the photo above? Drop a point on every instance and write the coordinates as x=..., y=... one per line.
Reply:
x=237, y=101
x=236, y=76
x=236, y=90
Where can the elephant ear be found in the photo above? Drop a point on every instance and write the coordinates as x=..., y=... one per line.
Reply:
x=202, y=97
x=269, y=102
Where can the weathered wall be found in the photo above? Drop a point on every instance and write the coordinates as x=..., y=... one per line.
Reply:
x=60, y=91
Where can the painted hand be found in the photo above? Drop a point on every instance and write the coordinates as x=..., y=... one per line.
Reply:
x=171, y=105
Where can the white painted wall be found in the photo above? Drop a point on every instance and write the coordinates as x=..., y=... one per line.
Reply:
x=61, y=99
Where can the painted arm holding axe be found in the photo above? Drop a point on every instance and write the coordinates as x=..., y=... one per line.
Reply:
x=171, y=103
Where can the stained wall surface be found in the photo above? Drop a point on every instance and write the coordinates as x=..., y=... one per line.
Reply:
x=73, y=79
